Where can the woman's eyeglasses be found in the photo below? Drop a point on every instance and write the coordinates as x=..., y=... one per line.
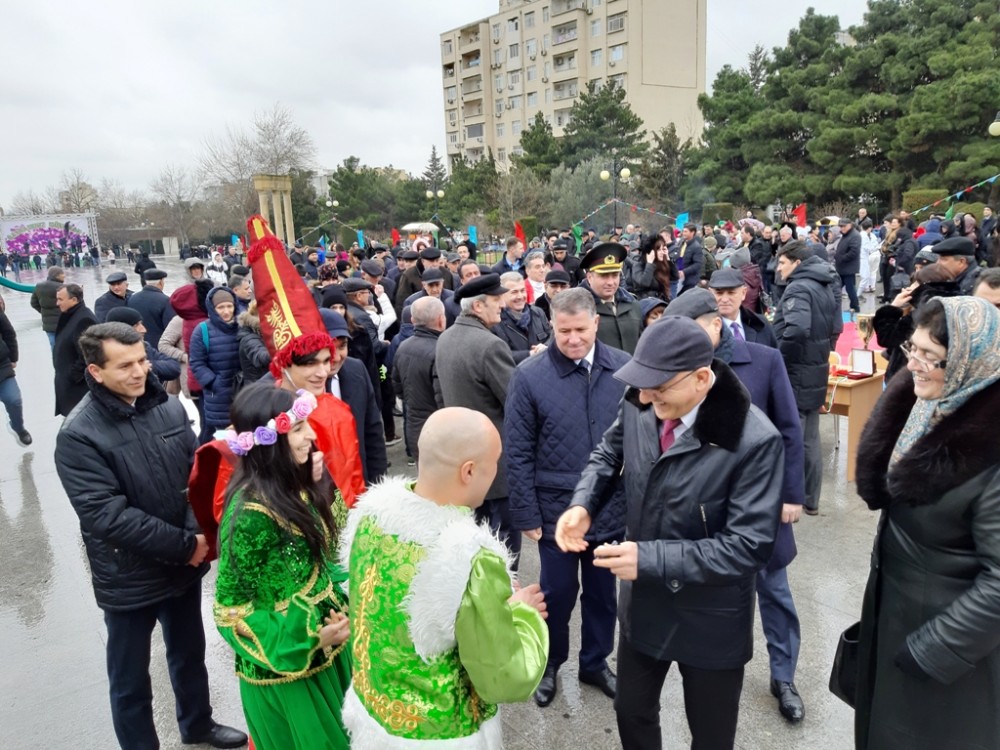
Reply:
x=909, y=350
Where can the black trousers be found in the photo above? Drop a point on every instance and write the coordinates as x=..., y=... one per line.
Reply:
x=497, y=514
x=711, y=702
x=129, y=636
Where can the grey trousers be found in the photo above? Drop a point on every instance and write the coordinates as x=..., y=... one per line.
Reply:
x=813, y=450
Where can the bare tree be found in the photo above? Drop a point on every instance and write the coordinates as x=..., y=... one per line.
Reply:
x=121, y=213
x=30, y=203
x=274, y=144
x=76, y=194
x=178, y=190
x=518, y=192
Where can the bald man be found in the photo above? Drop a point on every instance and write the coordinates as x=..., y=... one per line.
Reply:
x=416, y=558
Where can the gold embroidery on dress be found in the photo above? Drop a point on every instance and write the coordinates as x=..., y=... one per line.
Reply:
x=395, y=714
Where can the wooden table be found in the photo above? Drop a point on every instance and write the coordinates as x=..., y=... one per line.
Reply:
x=854, y=399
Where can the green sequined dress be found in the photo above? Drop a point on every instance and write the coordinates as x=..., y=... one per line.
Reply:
x=292, y=689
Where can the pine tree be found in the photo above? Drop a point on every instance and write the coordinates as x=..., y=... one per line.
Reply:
x=603, y=125
x=541, y=151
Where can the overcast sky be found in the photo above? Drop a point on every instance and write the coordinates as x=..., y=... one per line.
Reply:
x=120, y=88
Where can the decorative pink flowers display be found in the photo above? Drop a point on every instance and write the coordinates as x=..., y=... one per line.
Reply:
x=241, y=443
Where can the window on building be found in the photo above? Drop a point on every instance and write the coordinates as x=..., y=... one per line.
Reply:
x=498, y=107
x=545, y=15
x=617, y=52
x=501, y=155
x=531, y=47
x=529, y=20
x=515, y=128
x=517, y=151
x=496, y=31
x=562, y=118
x=453, y=138
x=498, y=81
x=548, y=70
x=595, y=3
x=474, y=131
x=515, y=102
x=616, y=23
x=548, y=97
x=450, y=93
x=498, y=57
x=545, y=41
x=500, y=130
x=532, y=99
x=514, y=78
x=452, y=116
x=596, y=57
x=512, y=25
x=595, y=27
x=513, y=51
x=446, y=47
x=531, y=72
x=598, y=83
x=618, y=80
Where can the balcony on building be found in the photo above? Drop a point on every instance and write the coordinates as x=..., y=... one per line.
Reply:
x=448, y=71
x=565, y=90
x=447, y=49
x=565, y=33
x=565, y=6
x=473, y=109
x=471, y=63
x=564, y=65
x=472, y=89
x=468, y=36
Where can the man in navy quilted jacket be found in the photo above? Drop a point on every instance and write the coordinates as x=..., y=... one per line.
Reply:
x=559, y=404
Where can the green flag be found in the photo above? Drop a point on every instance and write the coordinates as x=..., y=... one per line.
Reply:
x=950, y=214
x=578, y=236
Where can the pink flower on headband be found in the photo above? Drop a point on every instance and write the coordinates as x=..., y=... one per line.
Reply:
x=283, y=423
x=302, y=408
x=245, y=441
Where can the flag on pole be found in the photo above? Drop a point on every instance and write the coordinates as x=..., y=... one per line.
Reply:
x=519, y=233
x=578, y=236
x=322, y=252
x=395, y=236
x=682, y=219
x=361, y=238
x=473, y=234
x=235, y=240
x=800, y=215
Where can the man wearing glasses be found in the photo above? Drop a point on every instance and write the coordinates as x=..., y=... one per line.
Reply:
x=702, y=472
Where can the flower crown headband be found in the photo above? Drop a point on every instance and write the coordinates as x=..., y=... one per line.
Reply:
x=241, y=443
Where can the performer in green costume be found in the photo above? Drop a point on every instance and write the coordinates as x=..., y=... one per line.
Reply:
x=279, y=599
x=439, y=637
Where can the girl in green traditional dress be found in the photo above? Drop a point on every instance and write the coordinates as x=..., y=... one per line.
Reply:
x=279, y=599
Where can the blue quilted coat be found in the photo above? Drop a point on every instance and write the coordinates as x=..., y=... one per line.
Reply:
x=556, y=413
x=215, y=359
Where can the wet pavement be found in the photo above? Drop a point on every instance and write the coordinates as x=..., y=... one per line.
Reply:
x=53, y=689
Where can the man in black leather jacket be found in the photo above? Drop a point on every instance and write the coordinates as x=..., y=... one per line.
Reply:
x=123, y=457
x=702, y=469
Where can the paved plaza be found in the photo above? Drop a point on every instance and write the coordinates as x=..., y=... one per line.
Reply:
x=53, y=691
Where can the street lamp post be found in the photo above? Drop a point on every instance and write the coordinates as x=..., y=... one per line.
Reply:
x=437, y=195
x=994, y=128
x=333, y=204
x=623, y=174
x=149, y=234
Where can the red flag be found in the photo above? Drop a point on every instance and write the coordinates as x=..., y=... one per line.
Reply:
x=800, y=214
x=519, y=233
x=395, y=236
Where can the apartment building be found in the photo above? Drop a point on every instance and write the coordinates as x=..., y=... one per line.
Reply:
x=538, y=55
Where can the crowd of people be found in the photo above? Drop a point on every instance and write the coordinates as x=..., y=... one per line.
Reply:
x=644, y=408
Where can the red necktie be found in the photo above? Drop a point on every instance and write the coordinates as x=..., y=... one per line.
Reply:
x=667, y=434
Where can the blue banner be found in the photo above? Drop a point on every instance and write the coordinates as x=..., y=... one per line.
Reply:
x=473, y=234
x=682, y=219
x=361, y=238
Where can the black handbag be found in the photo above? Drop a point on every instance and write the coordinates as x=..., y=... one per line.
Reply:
x=844, y=675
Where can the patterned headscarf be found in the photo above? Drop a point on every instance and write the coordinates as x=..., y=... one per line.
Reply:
x=973, y=363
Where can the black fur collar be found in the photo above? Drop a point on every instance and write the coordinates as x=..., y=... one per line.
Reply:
x=723, y=413
x=960, y=447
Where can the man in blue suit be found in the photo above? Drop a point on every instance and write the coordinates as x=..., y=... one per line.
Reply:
x=761, y=369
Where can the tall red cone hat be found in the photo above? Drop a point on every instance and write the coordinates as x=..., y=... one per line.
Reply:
x=290, y=323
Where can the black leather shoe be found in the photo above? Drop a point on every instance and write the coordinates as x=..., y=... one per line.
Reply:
x=789, y=702
x=605, y=680
x=220, y=736
x=547, y=687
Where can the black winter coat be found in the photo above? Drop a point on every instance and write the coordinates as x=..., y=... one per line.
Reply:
x=141, y=266
x=847, y=258
x=620, y=325
x=8, y=347
x=108, y=302
x=67, y=360
x=125, y=470
x=520, y=341
x=43, y=300
x=933, y=596
x=804, y=326
x=413, y=380
x=156, y=311
x=255, y=359
x=704, y=515
x=556, y=414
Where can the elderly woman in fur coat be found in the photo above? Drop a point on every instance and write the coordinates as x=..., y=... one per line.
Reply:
x=929, y=460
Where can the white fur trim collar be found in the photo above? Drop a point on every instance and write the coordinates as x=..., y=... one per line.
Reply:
x=368, y=734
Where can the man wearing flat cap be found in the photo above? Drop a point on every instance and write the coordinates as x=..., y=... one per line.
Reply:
x=958, y=255
x=373, y=271
x=153, y=305
x=117, y=295
x=556, y=281
x=473, y=368
x=619, y=311
x=409, y=280
x=432, y=283
x=702, y=473
x=570, y=264
x=730, y=290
